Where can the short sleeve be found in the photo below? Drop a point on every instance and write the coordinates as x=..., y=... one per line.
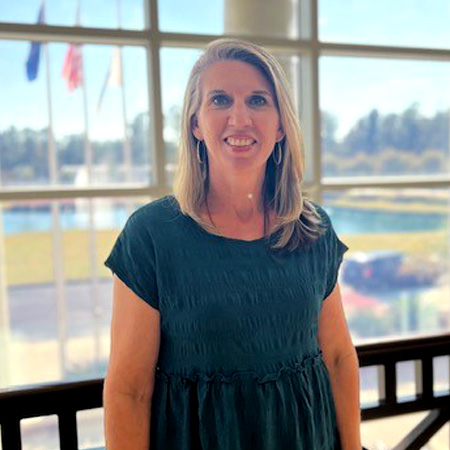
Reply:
x=132, y=259
x=334, y=249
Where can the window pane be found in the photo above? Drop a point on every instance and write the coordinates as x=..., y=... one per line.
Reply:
x=174, y=78
x=406, y=384
x=119, y=14
x=58, y=294
x=40, y=432
x=409, y=23
x=90, y=145
x=394, y=277
x=384, y=117
x=230, y=17
x=441, y=375
x=90, y=429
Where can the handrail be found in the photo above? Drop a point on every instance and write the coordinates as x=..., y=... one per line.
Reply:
x=421, y=350
x=62, y=399
x=386, y=354
x=65, y=399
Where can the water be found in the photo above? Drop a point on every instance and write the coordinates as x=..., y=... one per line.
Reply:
x=345, y=220
x=16, y=222
x=356, y=221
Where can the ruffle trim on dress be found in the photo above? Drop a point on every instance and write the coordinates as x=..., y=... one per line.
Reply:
x=243, y=375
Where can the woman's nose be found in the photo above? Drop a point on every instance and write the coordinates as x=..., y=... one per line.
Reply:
x=240, y=115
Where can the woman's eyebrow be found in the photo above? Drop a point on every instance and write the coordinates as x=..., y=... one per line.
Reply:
x=262, y=92
x=216, y=91
x=221, y=91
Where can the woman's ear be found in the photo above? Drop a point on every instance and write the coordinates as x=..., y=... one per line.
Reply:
x=280, y=134
x=195, y=128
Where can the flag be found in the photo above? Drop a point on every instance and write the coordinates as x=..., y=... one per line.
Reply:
x=113, y=76
x=35, y=50
x=72, y=69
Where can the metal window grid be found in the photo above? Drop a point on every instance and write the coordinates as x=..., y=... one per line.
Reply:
x=153, y=40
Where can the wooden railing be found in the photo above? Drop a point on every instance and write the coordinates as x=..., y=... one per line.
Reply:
x=421, y=351
x=65, y=399
x=62, y=399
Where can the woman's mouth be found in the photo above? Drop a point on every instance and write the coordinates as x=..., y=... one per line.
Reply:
x=240, y=145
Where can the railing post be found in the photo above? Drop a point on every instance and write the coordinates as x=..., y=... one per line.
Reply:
x=390, y=381
x=425, y=381
x=11, y=438
x=68, y=437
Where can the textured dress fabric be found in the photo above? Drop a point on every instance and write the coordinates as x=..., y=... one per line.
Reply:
x=239, y=365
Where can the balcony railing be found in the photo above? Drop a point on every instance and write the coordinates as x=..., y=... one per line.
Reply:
x=421, y=351
x=62, y=399
x=65, y=399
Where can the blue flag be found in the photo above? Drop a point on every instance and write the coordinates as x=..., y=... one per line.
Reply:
x=35, y=51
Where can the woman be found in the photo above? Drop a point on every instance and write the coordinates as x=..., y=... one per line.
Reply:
x=228, y=330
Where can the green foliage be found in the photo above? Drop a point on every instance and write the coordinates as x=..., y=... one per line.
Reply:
x=24, y=154
x=377, y=144
x=393, y=144
x=408, y=131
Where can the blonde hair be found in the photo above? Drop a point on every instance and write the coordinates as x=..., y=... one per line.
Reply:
x=297, y=218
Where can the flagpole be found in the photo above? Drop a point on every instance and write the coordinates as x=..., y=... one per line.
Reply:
x=5, y=331
x=127, y=147
x=95, y=306
x=58, y=268
x=88, y=158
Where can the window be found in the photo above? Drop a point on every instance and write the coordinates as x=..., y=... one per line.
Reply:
x=89, y=133
x=384, y=117
x=408, y=23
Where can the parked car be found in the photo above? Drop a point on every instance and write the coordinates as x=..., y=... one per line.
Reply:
x=385, y=270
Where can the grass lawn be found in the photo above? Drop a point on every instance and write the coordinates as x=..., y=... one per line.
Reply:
x=29, y=256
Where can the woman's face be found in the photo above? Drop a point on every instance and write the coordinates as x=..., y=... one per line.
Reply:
x=237, y=118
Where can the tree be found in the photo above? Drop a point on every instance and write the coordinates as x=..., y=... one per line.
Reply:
x=329, y=125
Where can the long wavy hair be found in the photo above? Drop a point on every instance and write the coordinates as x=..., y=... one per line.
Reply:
x=298, y=223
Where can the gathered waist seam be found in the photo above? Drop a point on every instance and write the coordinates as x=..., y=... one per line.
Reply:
x=300, y=366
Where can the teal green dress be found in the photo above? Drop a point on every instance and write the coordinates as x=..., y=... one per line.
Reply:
x=239, y=366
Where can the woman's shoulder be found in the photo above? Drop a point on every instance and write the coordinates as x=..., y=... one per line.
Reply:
x=151, y=219
x=155, y=211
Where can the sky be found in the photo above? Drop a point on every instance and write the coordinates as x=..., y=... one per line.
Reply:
x=349, y=87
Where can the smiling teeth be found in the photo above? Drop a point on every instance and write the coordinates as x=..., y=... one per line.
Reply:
x=239, y=142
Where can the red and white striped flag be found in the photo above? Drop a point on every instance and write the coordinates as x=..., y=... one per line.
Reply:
x=73, y=67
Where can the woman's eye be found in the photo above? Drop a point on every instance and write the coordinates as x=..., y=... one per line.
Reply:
x=258, y=100
x=219, y=100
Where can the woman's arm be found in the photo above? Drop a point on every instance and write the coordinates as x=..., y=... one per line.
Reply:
x=127, y=421
x=341, y=360
x=130, y=380
x=344, y=378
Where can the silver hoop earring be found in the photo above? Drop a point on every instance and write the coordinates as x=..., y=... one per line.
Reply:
x=278, y=160
x=198, y=153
